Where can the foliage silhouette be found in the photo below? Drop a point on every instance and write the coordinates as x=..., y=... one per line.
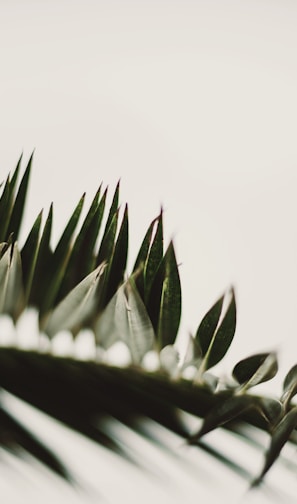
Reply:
x=82, y=284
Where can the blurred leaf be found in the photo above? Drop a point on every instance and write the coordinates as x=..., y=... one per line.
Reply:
x=270, y=409
x=19, y=203
x=255, y=369
x=227, y=410
x=14, y=436
x=78, y=306
x=210, y=381
x=125, y=319
x=213, y=337
x=280, y=436
x=169, y=358
x=170, y=306
x=193, y=354
x=290, y=386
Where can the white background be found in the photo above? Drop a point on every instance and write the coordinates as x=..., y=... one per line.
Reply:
x=193, y=105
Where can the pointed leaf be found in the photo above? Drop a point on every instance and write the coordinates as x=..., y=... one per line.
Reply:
x=125, y=319
x=108, y=241
x=118, y=262
x=170, y=307
x=6, y=201
x=15, y=174
x=142, y=257
x=208, y=325
x=56, y=268
x=19, y=203
x=5, y=209
x=154, y=258
x=280, y=436
x=255, y=369
x=113, y=208
x=82, y=259
x=226, y=411
x=42, y=262
x=215, y=347
x=29, y=255
x=78, y=306
x=270, y=409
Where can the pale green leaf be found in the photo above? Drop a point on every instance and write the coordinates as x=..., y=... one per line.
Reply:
x=78, y=306
x=125, y=319
x=11, y=281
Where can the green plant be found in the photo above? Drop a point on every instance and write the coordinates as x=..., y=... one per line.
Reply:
x=82, y=283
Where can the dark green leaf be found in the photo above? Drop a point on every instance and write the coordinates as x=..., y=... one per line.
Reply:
x=170, y=306
x=15, y=175
x=215, y=337
x=108, y=239
x=280, y=436
x=14, y=436
x=56, y=268
x=19, y=203
x=117, y=266
x=42, y=262
x=154, y=258
x=29, y=255
x=108, y=242
x=255, y=369
x=208, y=325
x=113, y=209
x=82, y=259
x=270, y=409
x=5, y=209
x=142, y=257
x=7, y=201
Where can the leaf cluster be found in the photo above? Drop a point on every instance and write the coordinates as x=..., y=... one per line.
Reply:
x=82, y=283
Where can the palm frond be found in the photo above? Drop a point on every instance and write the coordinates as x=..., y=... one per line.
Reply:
x=83, y=284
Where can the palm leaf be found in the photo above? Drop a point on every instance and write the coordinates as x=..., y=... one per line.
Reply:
x=77, y=288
